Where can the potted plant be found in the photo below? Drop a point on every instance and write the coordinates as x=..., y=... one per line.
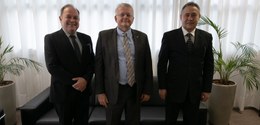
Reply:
x=14, y=66
x=240, y=63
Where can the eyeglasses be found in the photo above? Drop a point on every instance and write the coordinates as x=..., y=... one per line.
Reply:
x=124, y=14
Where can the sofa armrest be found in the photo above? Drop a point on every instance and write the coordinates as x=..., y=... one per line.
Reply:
x=203, y=114
x=2, y=117
x=36, y=107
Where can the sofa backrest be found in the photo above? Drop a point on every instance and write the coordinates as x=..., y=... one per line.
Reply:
x=93, y=98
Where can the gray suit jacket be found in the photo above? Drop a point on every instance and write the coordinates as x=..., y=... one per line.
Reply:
x=107, y=66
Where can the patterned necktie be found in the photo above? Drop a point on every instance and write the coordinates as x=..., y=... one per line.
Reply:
x=129, y=61
x=189, y=42
x=76, y=47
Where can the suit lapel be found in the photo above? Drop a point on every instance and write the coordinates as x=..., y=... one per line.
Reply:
x=181, y=37
x=197, y=39
x=135, y=39
x=65, y=40
x=82, y=41
x=113, y=44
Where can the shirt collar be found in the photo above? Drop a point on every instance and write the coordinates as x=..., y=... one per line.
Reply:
x=120, y=32
x=68, y=35
x=185, y=31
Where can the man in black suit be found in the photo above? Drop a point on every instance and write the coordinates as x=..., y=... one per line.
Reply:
x=113, y=82
x=185, y=67
x=71, y=66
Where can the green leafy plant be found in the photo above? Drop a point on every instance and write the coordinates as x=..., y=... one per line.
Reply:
x=13, y=65
x=242, y=62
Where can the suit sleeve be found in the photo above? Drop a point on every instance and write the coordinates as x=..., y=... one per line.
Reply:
x=208, y=69
x=91, y=62
x=148, y=87
x=53, y=64
x=162, y=64
x=99, y=75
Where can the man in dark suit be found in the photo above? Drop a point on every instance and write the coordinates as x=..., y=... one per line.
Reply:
x=71, y=66
x=116, y=88
x=185, y=67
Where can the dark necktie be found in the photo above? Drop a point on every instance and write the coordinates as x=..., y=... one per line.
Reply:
x=189, y=42
x=129, y=61
x=76, y=47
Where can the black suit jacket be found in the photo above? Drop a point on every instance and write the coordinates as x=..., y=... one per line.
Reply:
x=63, y=65
x=181, y=72
x=107, y=65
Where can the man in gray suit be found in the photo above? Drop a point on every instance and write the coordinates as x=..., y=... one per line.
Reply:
x=113, y=77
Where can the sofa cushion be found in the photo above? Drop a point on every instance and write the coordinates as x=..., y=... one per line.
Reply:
x=50, y=118
x=152, y=115
x=98, y=116
x=155, y=115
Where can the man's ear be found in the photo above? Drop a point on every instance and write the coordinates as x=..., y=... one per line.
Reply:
x=115, y=18
x=60, y=18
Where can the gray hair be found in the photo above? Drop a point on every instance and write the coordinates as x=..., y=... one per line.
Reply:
x=124, y=5
x=66, y=6
x=190, y=4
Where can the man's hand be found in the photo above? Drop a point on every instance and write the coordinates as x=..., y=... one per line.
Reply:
x=205, y=96
x=102, y=99
x=163, y=93
x=80, y=84
x=145, y=97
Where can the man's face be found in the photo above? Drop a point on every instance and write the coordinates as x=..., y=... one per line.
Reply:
x=124, y=17
x=190, y=17
x=70, y=20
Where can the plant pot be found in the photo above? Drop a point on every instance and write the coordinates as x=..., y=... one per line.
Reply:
x=221, y=103
x=8, y=103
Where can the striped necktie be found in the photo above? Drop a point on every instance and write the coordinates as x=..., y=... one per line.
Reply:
x=189, y=42
x=129, y=61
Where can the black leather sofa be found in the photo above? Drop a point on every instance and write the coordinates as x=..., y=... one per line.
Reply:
x=39, y=111
x=2, y=117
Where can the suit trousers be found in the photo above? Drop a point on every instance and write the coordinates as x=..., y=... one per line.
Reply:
x=127, y=102
x=190, y=111
x=74, y=111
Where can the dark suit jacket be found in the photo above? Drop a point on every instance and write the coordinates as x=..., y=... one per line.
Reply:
x=181, y=72
x=107, y=66
x=63, y=65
